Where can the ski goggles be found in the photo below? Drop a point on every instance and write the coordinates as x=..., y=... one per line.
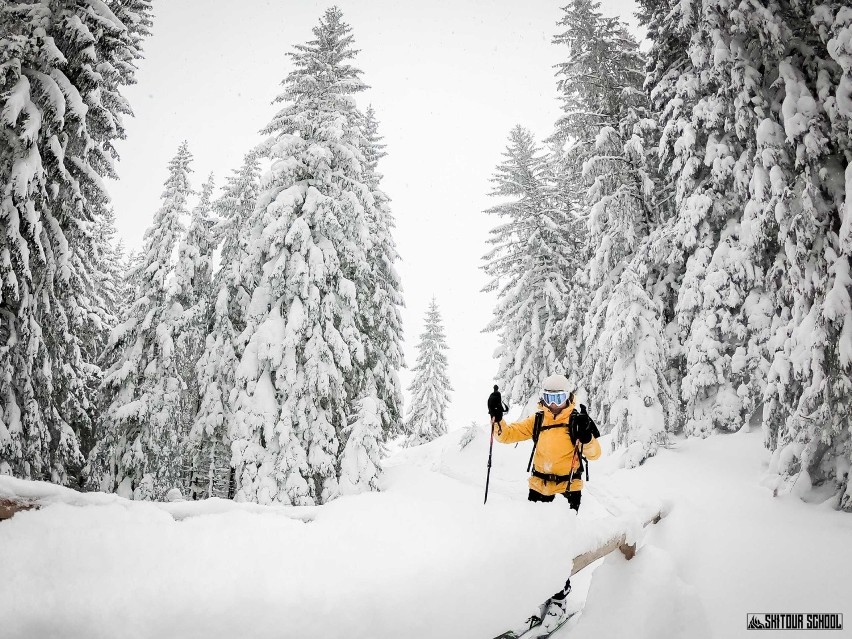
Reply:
x=557, y=397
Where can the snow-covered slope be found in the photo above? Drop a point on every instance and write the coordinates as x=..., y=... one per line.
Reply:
x=426, y=559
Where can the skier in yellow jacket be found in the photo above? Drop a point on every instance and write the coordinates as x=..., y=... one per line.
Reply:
x=564, y=436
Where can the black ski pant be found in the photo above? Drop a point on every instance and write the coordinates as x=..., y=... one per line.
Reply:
x=573, y=497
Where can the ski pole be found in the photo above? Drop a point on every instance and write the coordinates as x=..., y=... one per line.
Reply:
x=488, y=475
x=571, y=474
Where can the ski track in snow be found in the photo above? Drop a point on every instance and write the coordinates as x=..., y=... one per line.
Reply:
x=425, y=559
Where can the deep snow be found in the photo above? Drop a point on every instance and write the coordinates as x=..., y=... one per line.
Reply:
x=425, y=558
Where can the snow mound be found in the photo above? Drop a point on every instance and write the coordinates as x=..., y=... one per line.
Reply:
x=425, y=558
x=642, y=599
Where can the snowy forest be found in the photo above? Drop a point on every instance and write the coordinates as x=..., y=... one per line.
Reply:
x=679, y=247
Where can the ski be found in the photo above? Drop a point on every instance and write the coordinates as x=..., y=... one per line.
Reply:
x=533, y=622
x=539, y=632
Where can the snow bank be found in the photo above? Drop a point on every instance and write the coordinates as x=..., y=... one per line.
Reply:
x=739, y=548
x=47, y=494
x=422, y=559
x=645, y=599
x=425, y=559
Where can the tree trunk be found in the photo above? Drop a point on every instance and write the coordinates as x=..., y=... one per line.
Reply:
x=614, y=543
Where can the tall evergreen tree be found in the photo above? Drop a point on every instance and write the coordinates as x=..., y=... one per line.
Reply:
x=530, y=265
x=809, y=395
x=217, y=368
x=142, y=452
x=191, y=292
x=430, y=389
x=308, y=243
x=62, y=65
x=756, y=139
x=708, y=148
x=607, y=121
x=130, y=276
x=380, y=298
x=109, y=281
x=562, y=168
x=110, y=255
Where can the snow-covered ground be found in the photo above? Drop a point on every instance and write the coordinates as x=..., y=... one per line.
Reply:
x=426, y=559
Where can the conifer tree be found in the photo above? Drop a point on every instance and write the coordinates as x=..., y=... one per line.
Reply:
x=380, y=298
x=530, y=266
x=142, y=452
x=707, y=152
x=190, y=292
x=110, y=255
x=809, y=395
x=430, y=389
x=109, y=283
x=756, y=140
x=130, y=276
x=210, y=437
x=360, y=463
x=62, y=66
x=562, y=169
x=606, y=118
x=308, y=239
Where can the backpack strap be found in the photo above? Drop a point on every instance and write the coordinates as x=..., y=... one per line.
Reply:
x=551, y=427
x=539, y=420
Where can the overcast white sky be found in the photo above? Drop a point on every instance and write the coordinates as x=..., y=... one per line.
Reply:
x=449, y=79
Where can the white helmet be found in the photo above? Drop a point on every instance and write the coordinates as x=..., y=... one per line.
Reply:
x=556, y=383
x=555, y=390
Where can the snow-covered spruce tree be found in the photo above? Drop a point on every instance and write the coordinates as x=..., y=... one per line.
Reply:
x=190, y=291
x=783, y=72
x=809, y=395
x=308, y=242
x=141, y=455
x=380, y=298
x=704, y=91
x=570, y=147
x=430, y=389
x=375, y=386
x=605, y=114
x=62, y=65
x=530, y=266
x=563, y=167
x=210, y=438
x=110, y=254
x=109, y=280
x=127, y=283
x=360, y=463
x=470, y=433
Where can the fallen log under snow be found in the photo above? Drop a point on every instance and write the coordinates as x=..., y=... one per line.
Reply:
x=620, y=542
x=9, y=506
x=18, y=495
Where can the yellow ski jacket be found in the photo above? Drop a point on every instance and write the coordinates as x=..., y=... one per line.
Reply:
x=555, y=450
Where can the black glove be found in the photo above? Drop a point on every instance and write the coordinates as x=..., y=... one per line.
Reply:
x=496, y=408
x=584, y=427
